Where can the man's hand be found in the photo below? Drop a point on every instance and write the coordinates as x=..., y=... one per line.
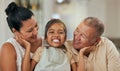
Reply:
x=86, y=50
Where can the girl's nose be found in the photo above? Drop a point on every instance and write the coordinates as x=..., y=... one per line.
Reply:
x=56, y=35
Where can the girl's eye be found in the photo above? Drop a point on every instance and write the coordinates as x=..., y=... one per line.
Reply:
x=61, y=32
x=50, y=32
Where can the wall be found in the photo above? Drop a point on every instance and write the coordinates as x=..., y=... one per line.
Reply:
x=72, y=14
x=97, y=8
x=4, y=29
x=113, y=18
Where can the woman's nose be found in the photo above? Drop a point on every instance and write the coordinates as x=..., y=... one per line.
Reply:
x=35, y=32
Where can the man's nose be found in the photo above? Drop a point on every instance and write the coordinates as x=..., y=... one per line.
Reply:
x=77, y=36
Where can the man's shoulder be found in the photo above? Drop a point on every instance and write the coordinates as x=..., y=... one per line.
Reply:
x=106, y=40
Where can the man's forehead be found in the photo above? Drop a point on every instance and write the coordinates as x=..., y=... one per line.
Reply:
x=80, y=25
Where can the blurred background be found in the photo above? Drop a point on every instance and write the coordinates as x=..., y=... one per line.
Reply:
x=71, y=12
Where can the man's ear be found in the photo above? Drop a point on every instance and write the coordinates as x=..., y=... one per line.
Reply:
x=97, y=41
x=94, y=42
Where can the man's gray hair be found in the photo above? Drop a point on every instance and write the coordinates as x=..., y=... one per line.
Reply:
x=95, y=23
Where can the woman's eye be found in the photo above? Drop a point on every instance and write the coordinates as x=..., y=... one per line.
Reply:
x=37, y=27
x=29, y=31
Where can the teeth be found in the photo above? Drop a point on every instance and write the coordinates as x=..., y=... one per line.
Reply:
x=55, y=40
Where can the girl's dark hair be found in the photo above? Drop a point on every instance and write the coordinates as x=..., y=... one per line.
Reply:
x=54, y=21
x=15, y=15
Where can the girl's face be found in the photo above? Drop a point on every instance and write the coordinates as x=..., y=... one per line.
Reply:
x=29, y=30
x=56, y=35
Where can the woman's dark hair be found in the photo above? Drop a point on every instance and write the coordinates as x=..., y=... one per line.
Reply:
x=15, y=15
x=54, y=21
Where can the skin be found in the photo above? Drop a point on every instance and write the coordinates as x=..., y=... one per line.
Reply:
x=28, y=32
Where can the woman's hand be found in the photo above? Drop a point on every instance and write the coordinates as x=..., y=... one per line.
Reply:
x=23, y=42
x=26, y=59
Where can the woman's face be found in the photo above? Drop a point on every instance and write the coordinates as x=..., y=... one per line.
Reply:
x=56, y=35
x=29, y=30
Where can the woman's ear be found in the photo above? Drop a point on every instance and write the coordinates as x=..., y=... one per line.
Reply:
x=15, y=31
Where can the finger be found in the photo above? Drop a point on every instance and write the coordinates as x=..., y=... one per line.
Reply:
x=84, y=49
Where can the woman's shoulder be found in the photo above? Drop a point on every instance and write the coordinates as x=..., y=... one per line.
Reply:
x=7, y=45
x=7, y=48
x=7, y=55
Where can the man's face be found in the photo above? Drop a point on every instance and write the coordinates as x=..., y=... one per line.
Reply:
x=83, y=36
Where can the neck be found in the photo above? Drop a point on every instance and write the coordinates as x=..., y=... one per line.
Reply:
x=35, y=45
